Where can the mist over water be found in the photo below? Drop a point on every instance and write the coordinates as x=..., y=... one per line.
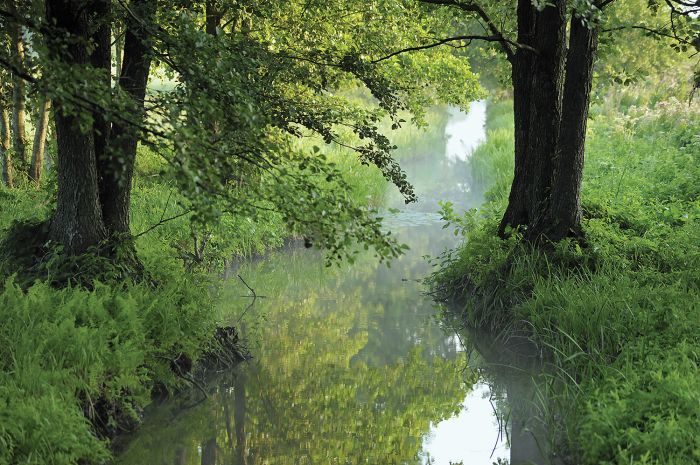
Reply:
x=350, y=366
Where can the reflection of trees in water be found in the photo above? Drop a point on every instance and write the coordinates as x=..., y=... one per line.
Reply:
x=365, y=415
x=348, y=368
x=512, y=368
x=345, y=373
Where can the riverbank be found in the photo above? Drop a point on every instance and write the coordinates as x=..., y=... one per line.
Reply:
x=88, y=358
x=619, y=314
x=359, y=344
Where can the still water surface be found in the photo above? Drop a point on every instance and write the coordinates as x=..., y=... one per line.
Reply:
x=351, y=365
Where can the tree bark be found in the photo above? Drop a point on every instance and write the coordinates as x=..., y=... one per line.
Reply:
x=521, y=76
x=537, y=91
x=5, y=145
x=39, y=147
x=564, y=217
x=77, y=222
x=118, y=169
x=550, y=137
x=545, y=111
x=19, y=140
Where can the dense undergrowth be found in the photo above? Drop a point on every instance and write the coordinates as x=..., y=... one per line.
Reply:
x=79, y=362
x=620, y=314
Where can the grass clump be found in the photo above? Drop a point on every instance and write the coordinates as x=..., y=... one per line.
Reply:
x=619, y=315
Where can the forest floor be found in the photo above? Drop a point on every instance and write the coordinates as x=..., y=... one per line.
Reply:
x=619, y=314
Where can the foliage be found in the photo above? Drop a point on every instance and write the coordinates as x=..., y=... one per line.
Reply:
x=72, y=356
x=236, y=100
x=110, y=345
x=633, y=25
x=619, y=313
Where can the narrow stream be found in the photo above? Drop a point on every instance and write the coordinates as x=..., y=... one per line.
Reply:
x=352, y=366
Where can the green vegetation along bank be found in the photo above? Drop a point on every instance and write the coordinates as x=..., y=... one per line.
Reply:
x=88, y=358
x=620, y=311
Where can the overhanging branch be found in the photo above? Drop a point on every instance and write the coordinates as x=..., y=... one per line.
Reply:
x=684, y=7
x=481, y=13
x=652, y=31
x=467, y=38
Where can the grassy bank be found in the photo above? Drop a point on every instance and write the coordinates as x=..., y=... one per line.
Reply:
x=77, y=364
x=621, y=316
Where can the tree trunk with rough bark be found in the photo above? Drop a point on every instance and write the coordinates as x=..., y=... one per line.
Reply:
x=101, y=60
x=545, y=110
x=564, y=217
x=39, y=147
x=77, y=222
x=118, y=169
x=516, y=212
x=551, y=90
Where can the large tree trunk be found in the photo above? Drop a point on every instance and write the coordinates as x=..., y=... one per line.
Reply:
x=5, y=144
x=77, y=222
x=521, y=75
x=19, y=140
x=537, y=86
x=564, y=217
x=39, y=147
x=545, y=111
x=118, y=169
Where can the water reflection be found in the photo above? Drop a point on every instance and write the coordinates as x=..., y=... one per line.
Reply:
x=351, y=366
x=461, y=143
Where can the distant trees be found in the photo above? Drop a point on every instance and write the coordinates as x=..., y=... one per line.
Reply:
x=244, y=78
x=36, y=166
x=14, y=95
x=5, y=136
x=19, y=136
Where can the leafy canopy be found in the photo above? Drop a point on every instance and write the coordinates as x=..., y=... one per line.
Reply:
x=231, y=103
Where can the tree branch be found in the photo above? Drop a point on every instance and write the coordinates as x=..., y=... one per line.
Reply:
x=161, y=222
x=684, y=7
x=651, y=31
x=447, y=40
x=481, y=13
